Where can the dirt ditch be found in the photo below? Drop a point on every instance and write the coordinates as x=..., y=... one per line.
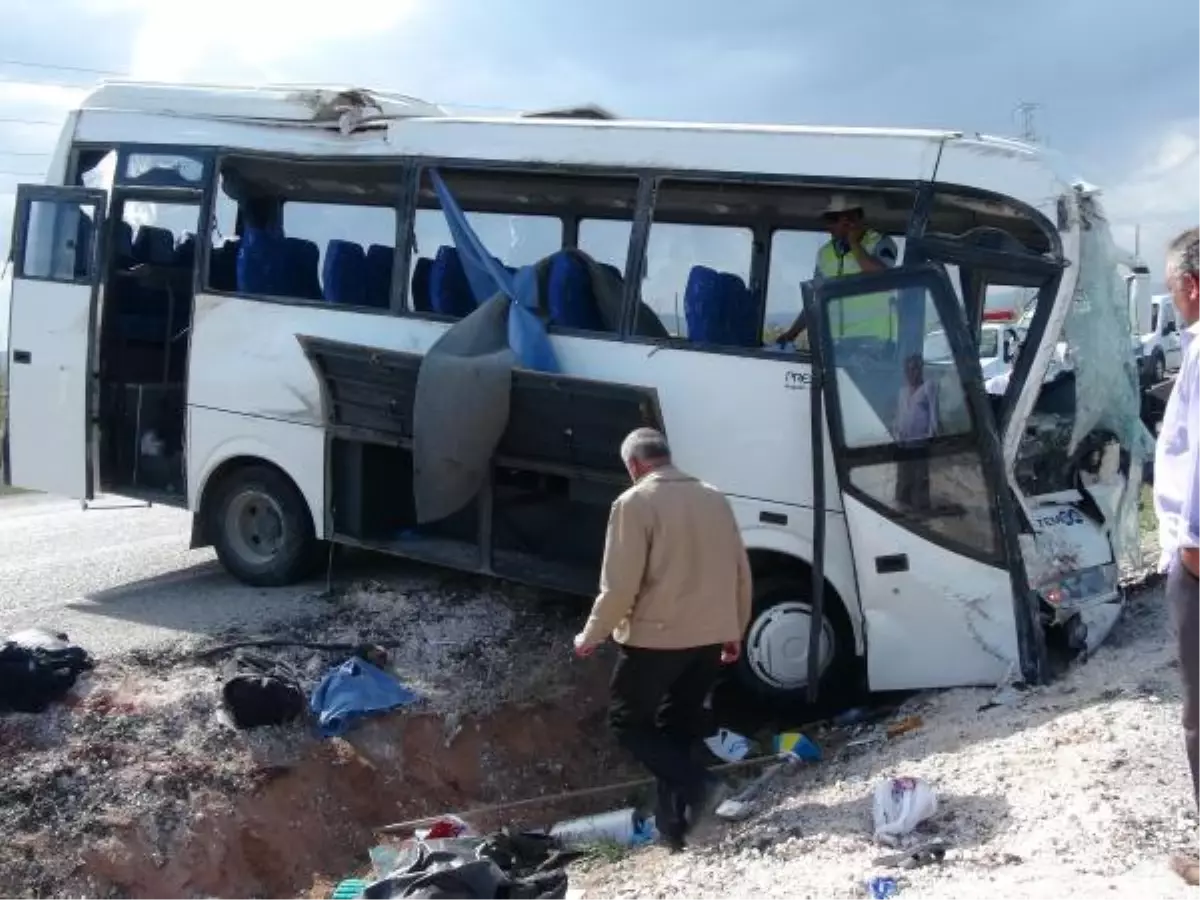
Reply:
x=138, y=786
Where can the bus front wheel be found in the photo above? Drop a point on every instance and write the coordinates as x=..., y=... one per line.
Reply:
x=774, y=661
x=261, y=528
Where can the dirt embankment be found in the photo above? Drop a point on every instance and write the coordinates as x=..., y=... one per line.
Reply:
x=137, y=787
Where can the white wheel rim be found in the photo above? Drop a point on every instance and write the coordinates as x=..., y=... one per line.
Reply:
x=777, y=645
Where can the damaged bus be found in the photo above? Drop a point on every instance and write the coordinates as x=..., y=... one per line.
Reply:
x=331, y=315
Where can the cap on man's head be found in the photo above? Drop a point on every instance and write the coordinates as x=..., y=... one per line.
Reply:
x=840, y=203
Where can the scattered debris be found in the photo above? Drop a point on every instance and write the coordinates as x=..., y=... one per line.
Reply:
x=353, y=690
x=446, y=826
x=504, y=864
x=262, y=691
x=728, y=746
x=744, y=803
x=915, y=857
x=881, y=887
x=901, y=804
x=797, y=744
x=38, y=668
x=623, y=827
x=904, y=726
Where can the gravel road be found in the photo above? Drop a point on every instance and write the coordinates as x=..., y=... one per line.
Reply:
x=120, y=577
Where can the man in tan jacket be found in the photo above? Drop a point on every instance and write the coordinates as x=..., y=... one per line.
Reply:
x=675, y=595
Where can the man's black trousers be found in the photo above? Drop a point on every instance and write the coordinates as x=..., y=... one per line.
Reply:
x=657, y=713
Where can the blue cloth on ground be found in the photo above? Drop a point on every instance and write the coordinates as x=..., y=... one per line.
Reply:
x=353, y=690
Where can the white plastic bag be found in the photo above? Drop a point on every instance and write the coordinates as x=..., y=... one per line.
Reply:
x=728, y=746
x=901, y=804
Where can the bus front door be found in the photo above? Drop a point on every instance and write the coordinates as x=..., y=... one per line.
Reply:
x=52, y=322
x=919, y=472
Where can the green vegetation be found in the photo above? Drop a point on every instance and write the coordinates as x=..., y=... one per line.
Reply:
x=1147, y=520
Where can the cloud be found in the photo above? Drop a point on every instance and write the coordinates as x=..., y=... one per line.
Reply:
x=1160, y=193
x=175, y=41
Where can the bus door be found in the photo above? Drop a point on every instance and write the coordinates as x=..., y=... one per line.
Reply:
x=920, y=475
x=55, y=293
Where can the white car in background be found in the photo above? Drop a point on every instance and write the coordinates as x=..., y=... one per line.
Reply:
x=1159, y=349
x=997, y=346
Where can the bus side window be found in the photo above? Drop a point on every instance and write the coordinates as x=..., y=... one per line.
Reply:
x=793, y=257
x=697, y=276
x=573, y=228
x=305, y=232
x=438, y=283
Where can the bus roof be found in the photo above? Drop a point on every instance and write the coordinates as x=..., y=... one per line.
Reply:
x=338, y=121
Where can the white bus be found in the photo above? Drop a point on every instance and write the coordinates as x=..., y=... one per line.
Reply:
x=223, y=299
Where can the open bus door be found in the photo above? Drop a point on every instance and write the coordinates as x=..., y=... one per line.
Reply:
x=52, y=322
x=942, y=587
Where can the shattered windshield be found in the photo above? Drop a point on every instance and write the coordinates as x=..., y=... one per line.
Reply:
x=1098, y=401
x=1107, y=390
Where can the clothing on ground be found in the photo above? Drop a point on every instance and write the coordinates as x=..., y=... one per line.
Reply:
x=261, y=691
x=675, y=572
x=353, y=690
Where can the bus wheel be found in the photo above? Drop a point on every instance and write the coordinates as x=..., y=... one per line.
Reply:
x=774, y=662
x=261, y=527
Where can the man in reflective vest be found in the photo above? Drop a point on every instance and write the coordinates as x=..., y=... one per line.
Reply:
x=853, y=248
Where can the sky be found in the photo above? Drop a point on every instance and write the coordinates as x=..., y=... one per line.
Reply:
x=1118, y=92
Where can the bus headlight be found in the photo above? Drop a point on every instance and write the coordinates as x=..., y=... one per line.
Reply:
x=1068, y=594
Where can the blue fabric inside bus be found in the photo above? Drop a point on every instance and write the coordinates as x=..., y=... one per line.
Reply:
x=488, y=277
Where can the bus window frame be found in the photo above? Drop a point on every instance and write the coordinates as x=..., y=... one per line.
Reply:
x=648, y=181
x=204, y=248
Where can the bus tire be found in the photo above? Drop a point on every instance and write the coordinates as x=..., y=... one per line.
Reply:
x=774, y=659
x=261, y=528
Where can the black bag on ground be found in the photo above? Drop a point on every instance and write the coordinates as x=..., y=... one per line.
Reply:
x=261, y=691
x=37, y=668
x=506, y=865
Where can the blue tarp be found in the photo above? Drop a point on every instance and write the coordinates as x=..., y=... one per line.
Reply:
x=487, y=277
x=353, y=690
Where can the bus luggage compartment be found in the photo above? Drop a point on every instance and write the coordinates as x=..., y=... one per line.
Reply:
x=540, y=519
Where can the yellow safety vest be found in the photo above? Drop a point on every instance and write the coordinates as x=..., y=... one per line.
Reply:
x=866, y=315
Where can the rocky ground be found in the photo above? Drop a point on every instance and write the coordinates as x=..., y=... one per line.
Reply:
x=139, y=786
x=1078, y=789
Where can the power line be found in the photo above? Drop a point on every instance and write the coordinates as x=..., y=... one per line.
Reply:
x=23, y=153
x=84, y=69
x=7, y=121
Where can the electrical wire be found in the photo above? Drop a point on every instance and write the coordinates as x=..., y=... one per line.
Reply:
x=82, y=69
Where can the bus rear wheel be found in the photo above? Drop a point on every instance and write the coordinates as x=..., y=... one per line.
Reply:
x=261, y=528
x=774, y=661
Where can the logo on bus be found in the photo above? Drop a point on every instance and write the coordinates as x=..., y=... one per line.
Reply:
x=797, y=381
x=1065, y=517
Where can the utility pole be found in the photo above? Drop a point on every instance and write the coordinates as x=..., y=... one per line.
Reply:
x=1026, y=110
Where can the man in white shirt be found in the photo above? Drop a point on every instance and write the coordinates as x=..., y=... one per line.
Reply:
x=1177, y=500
